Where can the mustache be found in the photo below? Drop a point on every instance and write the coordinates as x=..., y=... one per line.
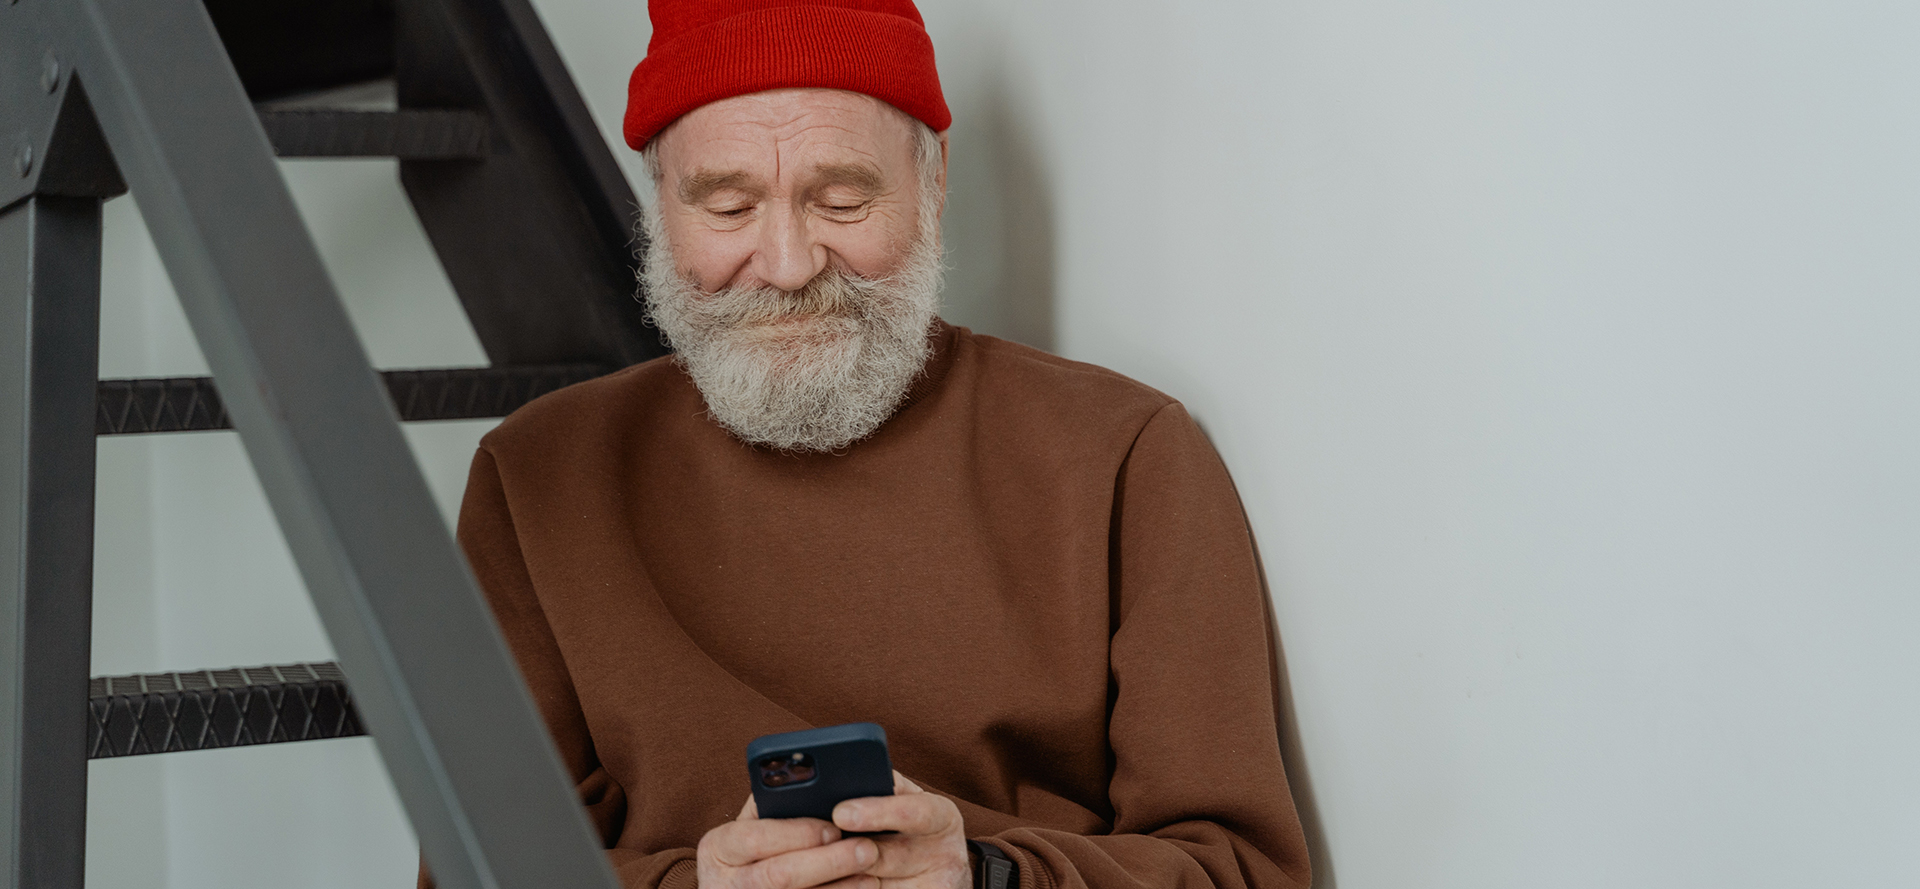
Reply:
x=834, y=293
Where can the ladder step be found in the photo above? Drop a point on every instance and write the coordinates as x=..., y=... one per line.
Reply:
x=471, y=393
x=210, y=709
x=192, y=404
x=411, y=134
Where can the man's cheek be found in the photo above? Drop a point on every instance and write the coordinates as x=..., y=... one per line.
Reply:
x=871, y=251
x=713, y=261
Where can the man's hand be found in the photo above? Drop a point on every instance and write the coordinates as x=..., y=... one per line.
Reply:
x=929, y=849
x=782, y=853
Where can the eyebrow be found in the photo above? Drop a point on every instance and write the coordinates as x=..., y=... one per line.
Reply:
x=858, y=176
x=703, y=183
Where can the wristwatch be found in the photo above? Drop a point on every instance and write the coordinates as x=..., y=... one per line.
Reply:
x=992, y=869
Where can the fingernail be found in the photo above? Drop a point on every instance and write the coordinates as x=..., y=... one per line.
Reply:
x=826, y=835
x=866, y=852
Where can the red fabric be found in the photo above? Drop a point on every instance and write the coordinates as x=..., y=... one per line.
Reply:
x=707, y=50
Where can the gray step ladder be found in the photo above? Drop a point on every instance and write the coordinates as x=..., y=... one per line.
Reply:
x=528, y=214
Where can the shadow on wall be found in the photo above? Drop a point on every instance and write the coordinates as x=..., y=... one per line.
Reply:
x=999, y=223
x=1291, y=750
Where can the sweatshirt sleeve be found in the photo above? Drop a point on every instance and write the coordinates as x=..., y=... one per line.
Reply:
x=1198, y=789
x=492, y=547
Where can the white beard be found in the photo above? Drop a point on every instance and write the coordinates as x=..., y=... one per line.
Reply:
x=812, y=370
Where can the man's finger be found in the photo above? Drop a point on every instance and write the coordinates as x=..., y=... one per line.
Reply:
x=917, y=814
x=741, y=843
x=857, y=881
x=808, y=868
x=901, y=784
x=750, y=811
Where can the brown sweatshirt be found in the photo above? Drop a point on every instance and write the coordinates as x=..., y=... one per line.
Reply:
x=1036, y=576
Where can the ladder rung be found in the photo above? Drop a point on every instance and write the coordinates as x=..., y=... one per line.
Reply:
x=192, y=404
x=408, y=134
x=209, y=709
x=470, y=393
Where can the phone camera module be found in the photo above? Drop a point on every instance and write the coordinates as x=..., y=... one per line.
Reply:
x=780, y=771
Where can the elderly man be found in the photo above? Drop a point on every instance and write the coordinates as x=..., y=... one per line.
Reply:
x=831, y=506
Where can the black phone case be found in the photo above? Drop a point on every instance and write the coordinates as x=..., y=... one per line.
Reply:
x=848, y=761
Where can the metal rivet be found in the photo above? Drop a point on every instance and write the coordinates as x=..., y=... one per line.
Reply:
x=23, y=160
x=50, y=72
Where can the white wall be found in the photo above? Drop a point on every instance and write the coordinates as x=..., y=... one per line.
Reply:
x=1563, y=354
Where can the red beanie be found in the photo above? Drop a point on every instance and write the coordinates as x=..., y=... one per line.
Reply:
x=707, y=50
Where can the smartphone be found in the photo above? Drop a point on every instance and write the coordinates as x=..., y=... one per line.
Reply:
x=805, y=774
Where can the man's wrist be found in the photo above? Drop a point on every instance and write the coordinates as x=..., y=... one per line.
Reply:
x=992, y=868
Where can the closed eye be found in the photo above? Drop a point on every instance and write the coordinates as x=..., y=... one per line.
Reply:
x=845, y=209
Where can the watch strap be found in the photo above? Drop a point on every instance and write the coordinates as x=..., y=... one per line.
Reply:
x=992, y=868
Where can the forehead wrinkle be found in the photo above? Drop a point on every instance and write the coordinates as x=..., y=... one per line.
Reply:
x=802, y=137
x=801, y=146
x=786, y=123
x=859, y=133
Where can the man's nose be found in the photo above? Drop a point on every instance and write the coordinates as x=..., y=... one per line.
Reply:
x=789, y=256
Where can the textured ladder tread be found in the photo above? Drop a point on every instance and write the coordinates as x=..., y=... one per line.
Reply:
x=211, y=709
x=412, y=134
x=473, y=393
x=192, y=404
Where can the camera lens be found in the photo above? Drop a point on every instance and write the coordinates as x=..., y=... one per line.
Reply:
x=780, y=771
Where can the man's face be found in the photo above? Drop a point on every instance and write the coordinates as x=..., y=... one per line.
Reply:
x=794, y=261
x=770, y=189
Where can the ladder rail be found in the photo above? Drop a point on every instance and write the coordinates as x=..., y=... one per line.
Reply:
x=49, y=319
x=548, y=212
